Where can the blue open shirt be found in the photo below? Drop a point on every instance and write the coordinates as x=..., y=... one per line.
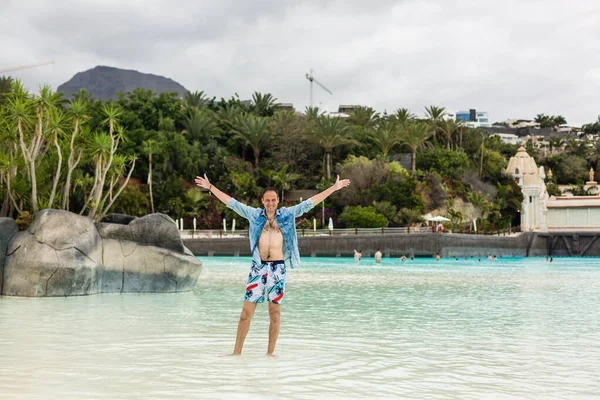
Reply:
x=286, y=219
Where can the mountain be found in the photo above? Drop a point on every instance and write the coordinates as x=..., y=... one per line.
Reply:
x=105, y=82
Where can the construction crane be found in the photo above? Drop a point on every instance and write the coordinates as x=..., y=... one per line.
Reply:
x=4, y=71
x=312, y=79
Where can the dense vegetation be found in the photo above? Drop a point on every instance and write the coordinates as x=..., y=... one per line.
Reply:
x=140, y=154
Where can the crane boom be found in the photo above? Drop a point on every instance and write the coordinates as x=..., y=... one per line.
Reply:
x=4, y=71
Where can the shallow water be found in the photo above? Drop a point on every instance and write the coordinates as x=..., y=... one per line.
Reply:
x=517, y=328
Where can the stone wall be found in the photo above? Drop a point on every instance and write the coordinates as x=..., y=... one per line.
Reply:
x=392, y=245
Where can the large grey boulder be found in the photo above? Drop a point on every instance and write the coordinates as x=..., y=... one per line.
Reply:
x=131, y=267
x=63, y=254
x=155, y=229
x=8, y=227
x=58, y=255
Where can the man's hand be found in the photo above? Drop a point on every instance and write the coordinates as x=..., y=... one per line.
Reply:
x=317, y=198
x=340, y=184
x=203, y=182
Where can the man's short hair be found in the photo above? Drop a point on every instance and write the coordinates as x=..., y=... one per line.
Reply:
x=269, y=189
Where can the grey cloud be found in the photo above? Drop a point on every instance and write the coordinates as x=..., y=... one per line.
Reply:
x=512, y=58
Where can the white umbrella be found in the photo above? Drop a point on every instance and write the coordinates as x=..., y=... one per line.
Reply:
x=314, y=224
x=181, y=223
x=233, y=226
x=438, y=219
x=194, y=223
x=475, y=225
x=330, y=225
x=224, y=225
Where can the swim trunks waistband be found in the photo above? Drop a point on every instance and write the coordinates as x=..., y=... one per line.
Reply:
x=271, y=262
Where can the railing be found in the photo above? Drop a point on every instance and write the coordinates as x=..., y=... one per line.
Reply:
x=219, y=233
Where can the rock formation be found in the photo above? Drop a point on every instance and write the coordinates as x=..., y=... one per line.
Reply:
x=65, y=254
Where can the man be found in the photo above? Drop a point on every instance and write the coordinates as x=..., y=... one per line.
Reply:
x=378, y=256
x=273, y=243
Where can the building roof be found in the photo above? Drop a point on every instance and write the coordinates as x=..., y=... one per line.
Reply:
x=523, y=164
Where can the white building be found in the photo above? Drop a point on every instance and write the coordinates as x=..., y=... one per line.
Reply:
x=551, y=214
x=509, y=138
x=471, y=118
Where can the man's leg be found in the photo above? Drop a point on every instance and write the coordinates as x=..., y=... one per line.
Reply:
x=243, y=326
x=274, y=316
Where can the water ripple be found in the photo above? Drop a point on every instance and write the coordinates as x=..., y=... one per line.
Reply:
x=516, y=329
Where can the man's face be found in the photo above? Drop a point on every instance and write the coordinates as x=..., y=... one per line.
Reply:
x=270, y=201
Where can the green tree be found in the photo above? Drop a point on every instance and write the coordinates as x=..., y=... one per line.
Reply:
x=151, y=147
x=410, y=217
x=362, y=217
x=331, y=133
x=385, y=137
x=283, y=179
x=264, y=105
x=254, y=131
x=414, y=135
x=403, y=116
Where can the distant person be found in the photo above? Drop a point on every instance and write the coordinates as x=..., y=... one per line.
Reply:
x=412, y=258
x=546, y=258
x=456, y=259
x=437, y=256
x=495, y=258
x=551, y=259
x=403, y=258
x=440, y=228
x=273, y=243
x=357, y=255
x=490, y=257
x=378, y=256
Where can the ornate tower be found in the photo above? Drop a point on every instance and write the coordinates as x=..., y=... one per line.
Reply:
x=531, y=180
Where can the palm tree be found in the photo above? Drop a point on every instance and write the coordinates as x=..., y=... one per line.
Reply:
x=478, y=200
x=6, y=83
x=555, y=143
x=545, y=121
x=455, y=216
x=330, y=133
x=385, y=137
x=449, y=128
x=558, y=120
x=313, y=113
x=410, y=216
x=254, y=131
x=435, y=116
x=196, y=100
x=284, y=179
x=151, y=147
x=199, y=125
x=264, y=104
x=414, y=135
x=365, y=117
x=403, y=116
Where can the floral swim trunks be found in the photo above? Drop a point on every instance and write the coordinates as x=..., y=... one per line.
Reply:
x=269, y=275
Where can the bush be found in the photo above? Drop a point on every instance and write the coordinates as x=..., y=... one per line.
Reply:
x=362, y=217
x=443, y=161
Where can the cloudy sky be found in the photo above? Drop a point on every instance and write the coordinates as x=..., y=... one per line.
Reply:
x=512, y=58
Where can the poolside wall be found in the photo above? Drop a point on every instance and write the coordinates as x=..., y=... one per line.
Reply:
x=394, y=245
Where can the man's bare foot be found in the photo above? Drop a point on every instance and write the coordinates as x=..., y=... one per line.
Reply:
x=271, y=355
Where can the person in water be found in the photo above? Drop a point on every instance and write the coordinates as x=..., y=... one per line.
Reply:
x=357, y=255
x=274, y=244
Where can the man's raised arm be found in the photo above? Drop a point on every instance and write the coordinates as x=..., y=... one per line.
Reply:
x=205, y=184
x=317, y=198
